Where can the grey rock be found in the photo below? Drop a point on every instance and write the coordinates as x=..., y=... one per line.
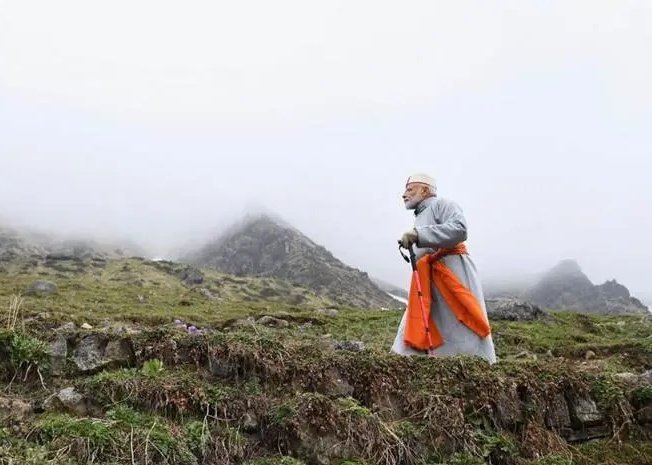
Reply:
x=88, y=354
x=328, y=312
x=67, y=328
x=557, y=414
x=41, y=288
x=95, y=352
x=585, y=411
x=351, y=346
x=119, y=329
x=190, y=276
x=514, y=310
x=273, y=322
x=119, y=352
x=70, y=401
x=58, y=352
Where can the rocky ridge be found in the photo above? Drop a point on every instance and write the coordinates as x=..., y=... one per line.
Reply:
x=263, y=246
x=566, y=287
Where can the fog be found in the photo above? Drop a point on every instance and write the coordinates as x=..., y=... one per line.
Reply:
x=162, y=122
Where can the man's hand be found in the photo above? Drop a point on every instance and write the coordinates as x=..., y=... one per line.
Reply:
x=408, y=238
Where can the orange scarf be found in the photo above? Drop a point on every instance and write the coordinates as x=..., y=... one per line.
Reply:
x=461, y=300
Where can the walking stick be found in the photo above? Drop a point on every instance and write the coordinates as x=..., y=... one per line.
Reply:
x=412, y=260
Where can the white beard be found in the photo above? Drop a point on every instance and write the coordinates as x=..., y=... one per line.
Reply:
x=412, y=204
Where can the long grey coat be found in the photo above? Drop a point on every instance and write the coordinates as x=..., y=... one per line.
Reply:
x=441, y=223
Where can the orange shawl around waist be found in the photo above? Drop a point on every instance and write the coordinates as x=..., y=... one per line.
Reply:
x=467, y=309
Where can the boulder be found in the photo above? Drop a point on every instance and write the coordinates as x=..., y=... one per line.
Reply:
x=95, y=352
x=190, y=276
x=585, y=411
x=39, y=288
x=68, y=400
x=273, y=322
x=58, y=352
x=514, y=310
x=67, y=328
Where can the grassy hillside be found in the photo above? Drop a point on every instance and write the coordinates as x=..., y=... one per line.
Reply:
x=278, y=376
x=147, y=292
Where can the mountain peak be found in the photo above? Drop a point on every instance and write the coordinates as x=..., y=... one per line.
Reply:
x=566, y=287
x=566, y=267
x=266, y=245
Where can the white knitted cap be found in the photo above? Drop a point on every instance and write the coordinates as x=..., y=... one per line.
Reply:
x=421, y=178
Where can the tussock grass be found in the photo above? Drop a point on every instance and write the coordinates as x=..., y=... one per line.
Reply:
x=15, y=313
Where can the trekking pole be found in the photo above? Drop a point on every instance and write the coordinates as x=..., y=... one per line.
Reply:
x=412, y=260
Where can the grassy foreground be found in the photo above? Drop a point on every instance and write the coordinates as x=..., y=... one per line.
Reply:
x=282, y=391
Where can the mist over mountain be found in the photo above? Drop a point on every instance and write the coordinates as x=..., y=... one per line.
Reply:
x=565, y=286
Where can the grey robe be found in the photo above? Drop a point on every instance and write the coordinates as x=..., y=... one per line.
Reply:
x=441, y=223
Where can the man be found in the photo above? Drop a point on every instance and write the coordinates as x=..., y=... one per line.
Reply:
x=459, y=323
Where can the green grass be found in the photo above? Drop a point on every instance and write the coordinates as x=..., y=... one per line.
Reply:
x=169, y=407
x=102, y=294
x=140, y=292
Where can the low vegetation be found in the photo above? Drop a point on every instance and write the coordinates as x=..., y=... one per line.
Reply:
x=267, y=379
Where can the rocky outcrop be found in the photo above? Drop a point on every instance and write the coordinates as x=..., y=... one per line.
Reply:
x=514, y=310
x=97, y=351
x=566, y=287
x=70, y=401
x=265, y=247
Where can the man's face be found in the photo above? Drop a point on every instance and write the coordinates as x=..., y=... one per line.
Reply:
x=414, y=194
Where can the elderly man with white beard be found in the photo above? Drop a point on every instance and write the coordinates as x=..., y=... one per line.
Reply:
x=452, y=292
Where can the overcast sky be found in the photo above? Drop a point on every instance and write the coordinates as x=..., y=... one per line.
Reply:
x=161, y=121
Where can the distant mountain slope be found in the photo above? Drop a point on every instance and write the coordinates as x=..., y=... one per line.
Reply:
x=20, y=245
x=267, y=247
x=566, y=287
x=390, y=288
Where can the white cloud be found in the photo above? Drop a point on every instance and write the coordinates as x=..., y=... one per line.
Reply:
x=161, y=119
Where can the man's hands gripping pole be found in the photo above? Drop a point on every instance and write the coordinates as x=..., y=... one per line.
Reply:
x=408, y=238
